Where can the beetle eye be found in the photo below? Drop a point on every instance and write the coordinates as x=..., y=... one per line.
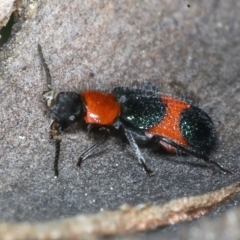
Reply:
x=71, y=118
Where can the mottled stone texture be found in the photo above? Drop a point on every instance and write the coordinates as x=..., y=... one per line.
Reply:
x=6, y=9
x=99, y=44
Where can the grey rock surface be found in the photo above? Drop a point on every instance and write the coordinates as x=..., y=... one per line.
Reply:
x=99, y=44
x=6, y=9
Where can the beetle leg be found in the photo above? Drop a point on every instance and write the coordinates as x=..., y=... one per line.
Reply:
x=94, y=147
x=191, y=152
x=137, y=151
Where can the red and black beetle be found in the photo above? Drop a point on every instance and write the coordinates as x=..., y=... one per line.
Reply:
x=143, y=114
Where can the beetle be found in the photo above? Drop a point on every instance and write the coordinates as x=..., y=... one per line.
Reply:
x=143, y=114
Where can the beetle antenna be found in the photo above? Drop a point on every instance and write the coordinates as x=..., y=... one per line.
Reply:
x=45, y=66
x=55, y=134
x=48, y=95
x=57, y=152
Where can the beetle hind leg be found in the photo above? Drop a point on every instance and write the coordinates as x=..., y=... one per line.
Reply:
x=193, y=153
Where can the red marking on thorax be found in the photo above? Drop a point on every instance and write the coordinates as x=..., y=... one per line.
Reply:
x=102, y=108
x=169, y=126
